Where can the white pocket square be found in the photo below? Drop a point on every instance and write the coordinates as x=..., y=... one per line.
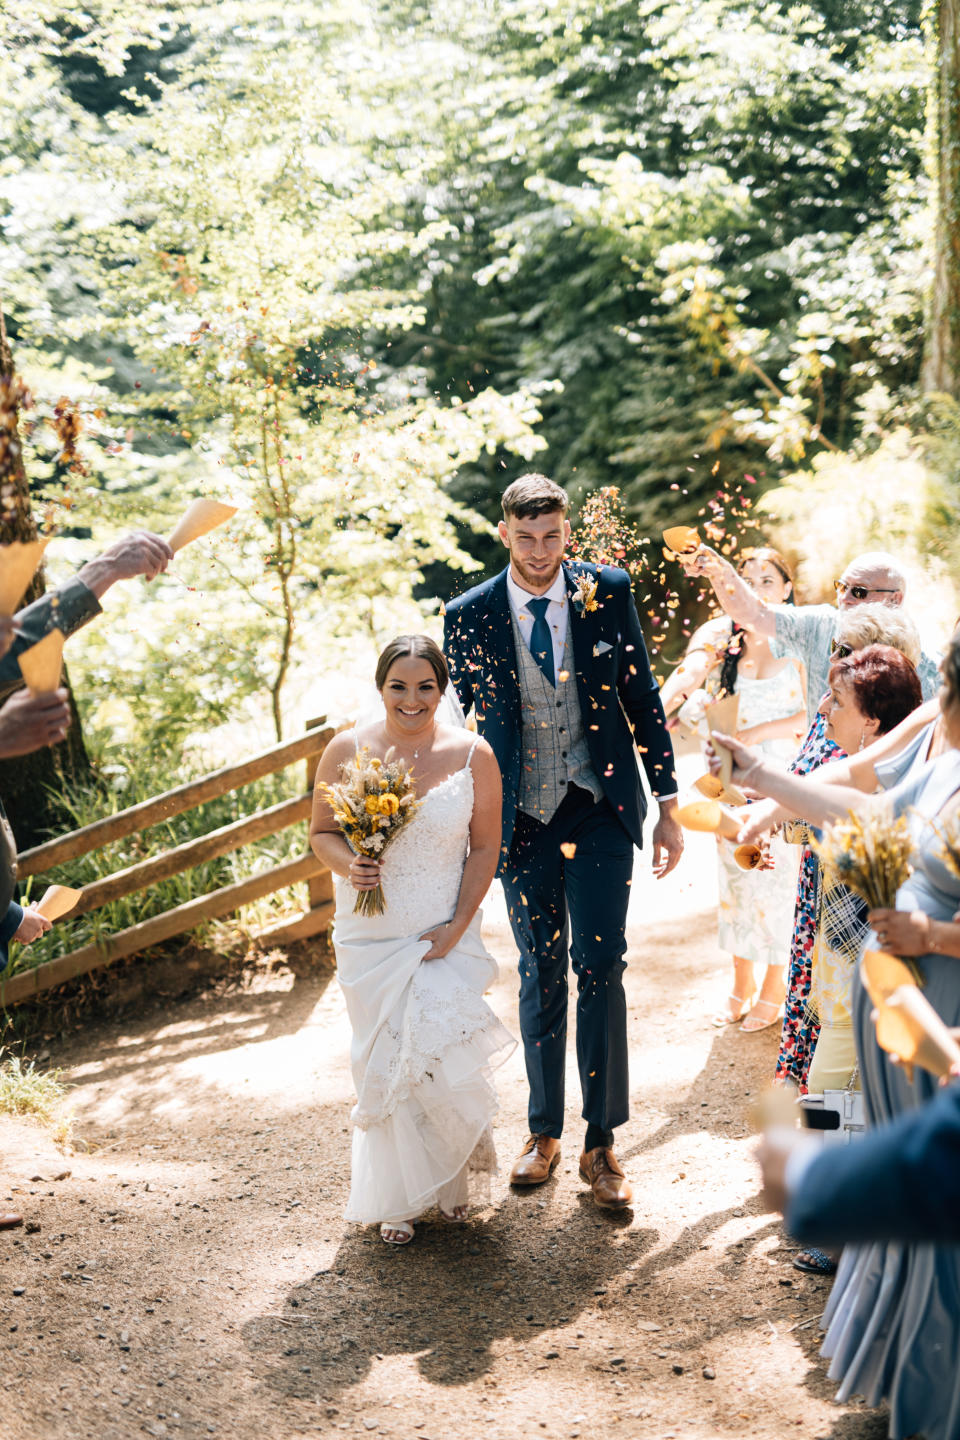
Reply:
x=601, y=647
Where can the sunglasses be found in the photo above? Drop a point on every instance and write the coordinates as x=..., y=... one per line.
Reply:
x=860, y=592
x=839, y=651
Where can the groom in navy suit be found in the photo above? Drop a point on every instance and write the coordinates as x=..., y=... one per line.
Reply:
x=552, y=659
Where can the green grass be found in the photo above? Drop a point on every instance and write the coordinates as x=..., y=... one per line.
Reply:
x=25, y=1090
x=96, y=803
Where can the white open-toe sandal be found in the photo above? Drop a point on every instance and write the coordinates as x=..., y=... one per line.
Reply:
x=404, y=1232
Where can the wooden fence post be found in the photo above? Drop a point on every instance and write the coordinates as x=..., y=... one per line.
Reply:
x=319, y=887
x=319, y=912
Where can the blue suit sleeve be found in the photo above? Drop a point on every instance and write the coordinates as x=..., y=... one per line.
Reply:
x=454, y=651
x=66, y=609
x=9, y=926
x=640, y=697
x=899, y=1182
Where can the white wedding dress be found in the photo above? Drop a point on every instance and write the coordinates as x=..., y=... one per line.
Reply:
x=424, y=1039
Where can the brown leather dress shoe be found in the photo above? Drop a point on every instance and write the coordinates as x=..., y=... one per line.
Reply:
x=9, y=1220
x=611, y=1188
x=536, y=1161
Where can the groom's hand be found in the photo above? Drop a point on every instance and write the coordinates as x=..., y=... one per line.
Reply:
x=667, y=839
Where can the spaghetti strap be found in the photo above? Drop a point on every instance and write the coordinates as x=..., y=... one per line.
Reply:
x=473, y=746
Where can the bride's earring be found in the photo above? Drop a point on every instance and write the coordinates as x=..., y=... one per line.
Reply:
x=860, y=746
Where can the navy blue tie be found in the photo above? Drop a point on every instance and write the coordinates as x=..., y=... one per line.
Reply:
x=541, y=641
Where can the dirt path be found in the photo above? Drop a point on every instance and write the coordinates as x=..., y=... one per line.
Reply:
x=192, y=1276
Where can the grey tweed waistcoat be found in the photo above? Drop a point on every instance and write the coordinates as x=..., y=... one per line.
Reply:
x=554, y=751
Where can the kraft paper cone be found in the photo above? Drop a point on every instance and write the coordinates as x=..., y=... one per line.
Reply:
x=882, y=974
x=712, y=787
x=681, y=539
x=723, y=715
x=748, y=857
x=18, y=564
x=910, y=1028
x=710, y=817
x=57, y=901
x=200, y=517
x=709, y=785
x=40, y=666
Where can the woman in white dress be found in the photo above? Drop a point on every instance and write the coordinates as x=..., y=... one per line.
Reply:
x=756, y=907
x=424, y=1039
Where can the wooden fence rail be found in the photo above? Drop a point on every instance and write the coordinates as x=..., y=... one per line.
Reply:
x=28, y=983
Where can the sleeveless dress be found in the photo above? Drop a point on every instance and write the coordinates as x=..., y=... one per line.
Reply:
x=755, y=917
x=424, y=1040
x=893, y=1319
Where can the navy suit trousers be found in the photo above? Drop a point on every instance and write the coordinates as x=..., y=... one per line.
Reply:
x=576, y=904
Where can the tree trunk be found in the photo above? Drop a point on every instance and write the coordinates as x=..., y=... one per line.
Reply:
x=32, y=787
x=941, y=364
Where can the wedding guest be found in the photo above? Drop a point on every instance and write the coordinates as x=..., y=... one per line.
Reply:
x=29, y=722
x=807, y=631
x=859, y=627
x=916, y=739
x=871, y=691
x=899, y=1183
x=423, y=1038
x=77, y=601
x=16, y=923
x=755, y=912
x=892, y=1327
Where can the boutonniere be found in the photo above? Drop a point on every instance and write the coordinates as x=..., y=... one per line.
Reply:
x=584, y=597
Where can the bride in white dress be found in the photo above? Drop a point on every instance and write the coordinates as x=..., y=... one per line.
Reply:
x=424, y=1039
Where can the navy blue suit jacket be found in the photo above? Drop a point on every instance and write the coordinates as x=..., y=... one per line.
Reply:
x=9, y=925
x=899, y=1182
x=619, y=698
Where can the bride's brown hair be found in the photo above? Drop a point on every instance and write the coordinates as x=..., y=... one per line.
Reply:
x=421, y=647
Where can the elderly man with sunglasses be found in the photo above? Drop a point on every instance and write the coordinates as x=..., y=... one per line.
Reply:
x=807, y=632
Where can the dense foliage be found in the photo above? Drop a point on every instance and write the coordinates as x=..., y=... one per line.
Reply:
x=356, y=264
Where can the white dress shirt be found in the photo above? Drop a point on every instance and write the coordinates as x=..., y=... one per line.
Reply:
x=558, y=613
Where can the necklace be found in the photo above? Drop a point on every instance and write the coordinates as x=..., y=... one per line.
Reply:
x=427, y=740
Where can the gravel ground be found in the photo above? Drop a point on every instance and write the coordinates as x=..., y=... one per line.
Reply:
x=188, y=1273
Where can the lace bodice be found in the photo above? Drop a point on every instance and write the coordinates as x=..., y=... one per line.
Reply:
x=769, y=698
x=422, y=868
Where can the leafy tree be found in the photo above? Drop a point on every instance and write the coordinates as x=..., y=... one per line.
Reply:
x=941, y=369
x=235, y=220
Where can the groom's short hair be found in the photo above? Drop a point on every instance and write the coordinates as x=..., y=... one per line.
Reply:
x=531, y=495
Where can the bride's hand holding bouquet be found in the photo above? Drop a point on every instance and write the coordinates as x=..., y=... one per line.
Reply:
x=372, y=801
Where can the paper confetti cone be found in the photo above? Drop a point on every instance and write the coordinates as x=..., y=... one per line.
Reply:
x=200, y=517
x=883, y=973
x=712, y=787
x=681, y=539
x=18, y=564
x=748, y=857
x=57, y=901
x=910, y=1028
x=722, y=716
x=710, y=817
x=40, y=666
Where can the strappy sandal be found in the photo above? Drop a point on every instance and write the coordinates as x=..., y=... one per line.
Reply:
x=742, y=1002
x=398, y=1228
x=758, y=1023
x=458, y=1216
x=814, y=1262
